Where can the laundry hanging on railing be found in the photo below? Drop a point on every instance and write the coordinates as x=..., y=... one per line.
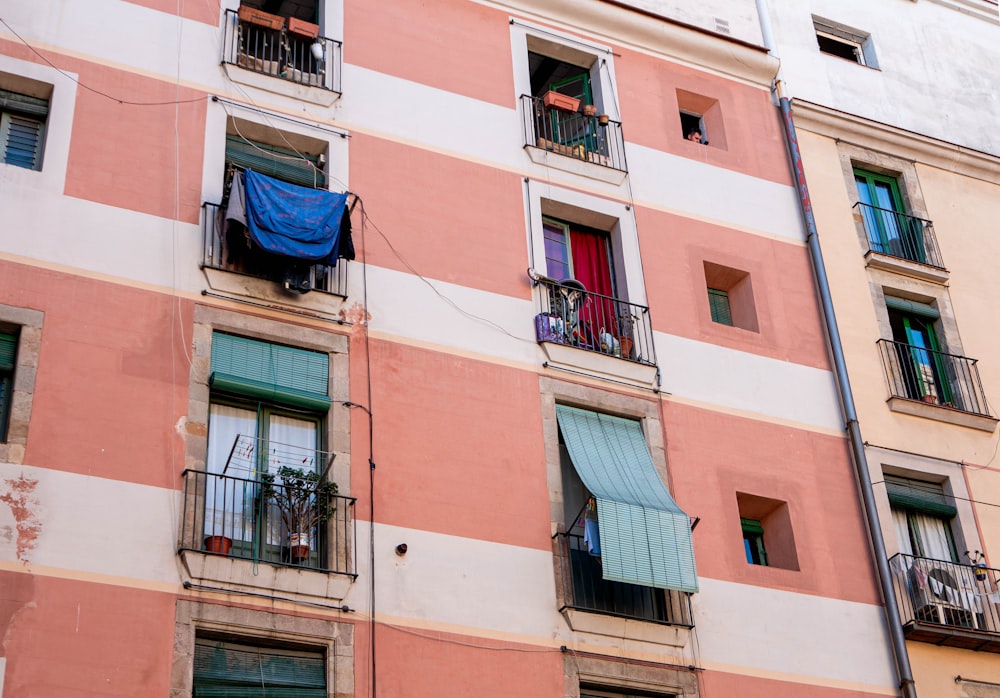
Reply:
x=290, y=220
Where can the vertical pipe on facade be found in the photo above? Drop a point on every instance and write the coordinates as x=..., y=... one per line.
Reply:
x=896, y=639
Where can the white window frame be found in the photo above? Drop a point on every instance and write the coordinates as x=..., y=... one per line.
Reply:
x=860, y=41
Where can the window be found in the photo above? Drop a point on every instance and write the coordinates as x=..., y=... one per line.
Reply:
x=283, y=40
x=22, y=129
x=718, y=303
x=921, y=514
x=889, y=229
x=841, y=41
x=701, y=114
x=564, y=105
x=642, y=540
x=600, y=693
x=266, y=411
x=693, y=126
x=766, y=525
x=753, y=541
x=231, y=244
x=227, y=668
x=730, y=297
x=923, y=365
x=8, y=353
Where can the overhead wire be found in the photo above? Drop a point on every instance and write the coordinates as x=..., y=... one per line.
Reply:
x=87, y=87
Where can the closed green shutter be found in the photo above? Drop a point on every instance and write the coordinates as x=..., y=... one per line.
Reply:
x=8, y=347
x=718, y=303
x=270, y=372
x=912, y=307
x=925, y=497
x=645, y=536
x=231, y=670
x=285, y=165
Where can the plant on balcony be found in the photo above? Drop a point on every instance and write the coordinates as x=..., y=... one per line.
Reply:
x=304, y=502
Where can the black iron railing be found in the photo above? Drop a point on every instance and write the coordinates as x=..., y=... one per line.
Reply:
x=946, y=593
x=595, y=139
x=584, y=588
x=279, y=52
x=900, y=235
x=933, y=377
x=231, y=516
x=594, y=322
x=231, y=251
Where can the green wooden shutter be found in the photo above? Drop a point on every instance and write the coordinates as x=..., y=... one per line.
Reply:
x=925, y=497
x=645, y=536
x=718, y=303
x=8, y=348
x=231, y=670
x=285, y=165
x=270, y=372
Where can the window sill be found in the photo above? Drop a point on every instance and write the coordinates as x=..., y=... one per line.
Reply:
x=942, y=414
x=541, y=156
x=661, y=634
x=598, y=365
x=239, y=575
x=243, y=286
x=281, y=86
x=876, y=260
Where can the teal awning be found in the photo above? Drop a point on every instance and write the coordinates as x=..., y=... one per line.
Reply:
x=270, y=372
x=645, y=536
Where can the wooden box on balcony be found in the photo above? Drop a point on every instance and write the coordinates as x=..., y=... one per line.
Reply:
x=302, y=28
x=252, y=15
x=557, y=100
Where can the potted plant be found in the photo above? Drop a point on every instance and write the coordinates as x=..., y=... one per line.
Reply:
x=557, y=100
x=304, y=502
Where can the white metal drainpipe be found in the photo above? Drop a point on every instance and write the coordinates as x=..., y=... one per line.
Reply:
x=896, y=639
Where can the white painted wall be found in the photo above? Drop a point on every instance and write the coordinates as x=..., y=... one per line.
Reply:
x=937, y=65
x=740, y=18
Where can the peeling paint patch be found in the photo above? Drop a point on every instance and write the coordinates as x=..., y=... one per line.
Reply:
x=357, y=316
x=19, y=496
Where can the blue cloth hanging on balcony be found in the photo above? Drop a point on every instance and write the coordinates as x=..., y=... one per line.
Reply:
x=298, y=222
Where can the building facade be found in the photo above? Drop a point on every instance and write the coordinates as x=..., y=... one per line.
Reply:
x=899, y=147
x=527, y=281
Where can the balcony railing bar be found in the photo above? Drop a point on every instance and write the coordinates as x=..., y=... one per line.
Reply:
x=900, y=235
x=218, y=507
x=322, y=277
x=916, y=373
x=589, y=138
x=585, y=589
x=943, y=593
x=595, y=322
x=281, y=54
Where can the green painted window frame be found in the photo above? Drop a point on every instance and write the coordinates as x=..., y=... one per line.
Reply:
x=921, y=324
x=718, y=304
x=886, y=232
x=8, y=357
x=753, y=542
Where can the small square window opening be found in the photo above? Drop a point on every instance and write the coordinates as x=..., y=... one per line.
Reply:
x=844, y=42
x=693, y=128
x=22, y=129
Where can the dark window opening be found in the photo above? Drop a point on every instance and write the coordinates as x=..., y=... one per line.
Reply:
x=841, y=48
x=753, y=542
x=8, y=357
x=693, y=128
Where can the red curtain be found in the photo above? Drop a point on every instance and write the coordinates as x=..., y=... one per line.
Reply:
x=592, y=268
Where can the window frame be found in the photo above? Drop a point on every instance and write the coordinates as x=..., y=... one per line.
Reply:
x=753, y=542
x=10, y=337
x=860, y=42
x=719, y=306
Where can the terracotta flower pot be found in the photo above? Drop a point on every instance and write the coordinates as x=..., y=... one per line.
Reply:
x=557, y=100
x=299, y=545
x=218, y=544
x=589, y=110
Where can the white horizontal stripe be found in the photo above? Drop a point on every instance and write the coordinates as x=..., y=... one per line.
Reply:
x=782, y=631
x=740, y=380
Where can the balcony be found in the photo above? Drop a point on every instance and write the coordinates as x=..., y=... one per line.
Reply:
x=589, y=139
x=900, y=242
x=246, y=518
x=234, y=269
x=282, y=48
x=935, y=380
x=584, y=589
x=945, y=603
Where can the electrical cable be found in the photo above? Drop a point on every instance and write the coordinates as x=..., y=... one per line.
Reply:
x=93, y=89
